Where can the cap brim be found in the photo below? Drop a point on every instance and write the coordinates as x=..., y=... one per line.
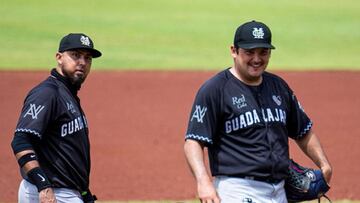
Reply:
x=94, y=53
x=256, y=45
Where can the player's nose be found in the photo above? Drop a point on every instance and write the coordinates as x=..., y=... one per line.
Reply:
x=82, y=60
x=257, y=58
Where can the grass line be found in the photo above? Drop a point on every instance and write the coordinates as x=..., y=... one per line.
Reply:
x=180, y=34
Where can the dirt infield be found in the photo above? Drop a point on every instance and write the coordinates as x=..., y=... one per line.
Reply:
x=138, y=119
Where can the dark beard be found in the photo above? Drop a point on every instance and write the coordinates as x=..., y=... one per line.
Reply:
x=77, y=80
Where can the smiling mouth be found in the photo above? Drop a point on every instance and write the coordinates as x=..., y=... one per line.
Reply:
x=255, y=67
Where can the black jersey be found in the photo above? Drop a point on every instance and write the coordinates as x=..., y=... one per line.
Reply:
x=246, y=128
x=53, y=115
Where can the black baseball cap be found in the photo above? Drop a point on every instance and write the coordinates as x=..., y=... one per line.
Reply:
x=252, y=35
x=78, y=41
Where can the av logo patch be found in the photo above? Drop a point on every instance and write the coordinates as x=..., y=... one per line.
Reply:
x=199, y=113
x=300, y=107
x=34, y=111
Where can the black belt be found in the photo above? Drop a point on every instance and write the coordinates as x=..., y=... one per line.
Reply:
x=262, y=179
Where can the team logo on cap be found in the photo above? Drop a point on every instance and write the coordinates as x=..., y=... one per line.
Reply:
x=85, y=40
x=258, y=33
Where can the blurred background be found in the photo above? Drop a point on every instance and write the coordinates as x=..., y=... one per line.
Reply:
x=180, y=34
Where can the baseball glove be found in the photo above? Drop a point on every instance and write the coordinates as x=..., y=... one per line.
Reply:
x=88, y=197
x=304, y=184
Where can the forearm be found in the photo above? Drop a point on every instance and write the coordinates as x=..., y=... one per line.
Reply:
x=311, y=146
x=22, y=145
x=194, y=153
x=29, y=165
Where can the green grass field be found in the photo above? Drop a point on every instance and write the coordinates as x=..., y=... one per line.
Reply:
x=180, y=34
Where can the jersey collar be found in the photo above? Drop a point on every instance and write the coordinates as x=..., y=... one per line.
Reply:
x=73, y=88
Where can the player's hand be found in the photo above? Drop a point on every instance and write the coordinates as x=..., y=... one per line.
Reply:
x=207, y=193
x=47, y=196
x=327, y=173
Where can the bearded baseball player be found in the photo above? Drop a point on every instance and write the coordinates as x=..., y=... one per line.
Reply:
x=244, y=115
x=51, y=141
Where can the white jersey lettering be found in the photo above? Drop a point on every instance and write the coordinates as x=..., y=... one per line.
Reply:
x=250, y=118
x=72, y=127
x=256, y=117
x=242, y=121
x=269, y=115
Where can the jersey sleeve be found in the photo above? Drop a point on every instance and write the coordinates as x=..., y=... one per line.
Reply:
x=202, y=124
x=37, y=110
x=299, y=123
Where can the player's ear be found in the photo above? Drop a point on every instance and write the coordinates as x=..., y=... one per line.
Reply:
x=233, y=51
x=58, y=57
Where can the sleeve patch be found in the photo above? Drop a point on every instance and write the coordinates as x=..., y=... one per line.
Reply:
x=198, y=137
x=33, y=111
x=199, y=114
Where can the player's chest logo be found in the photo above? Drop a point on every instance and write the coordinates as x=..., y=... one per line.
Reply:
x=199, y=113
x=34, y=111
x=277, y=99
x=239, y=102
x=70, y=107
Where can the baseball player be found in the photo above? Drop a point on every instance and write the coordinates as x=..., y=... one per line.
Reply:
x=244, y=116
x=51, y=140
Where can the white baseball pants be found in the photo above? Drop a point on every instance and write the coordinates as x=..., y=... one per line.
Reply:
x=28, y=194
x=240, y=190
